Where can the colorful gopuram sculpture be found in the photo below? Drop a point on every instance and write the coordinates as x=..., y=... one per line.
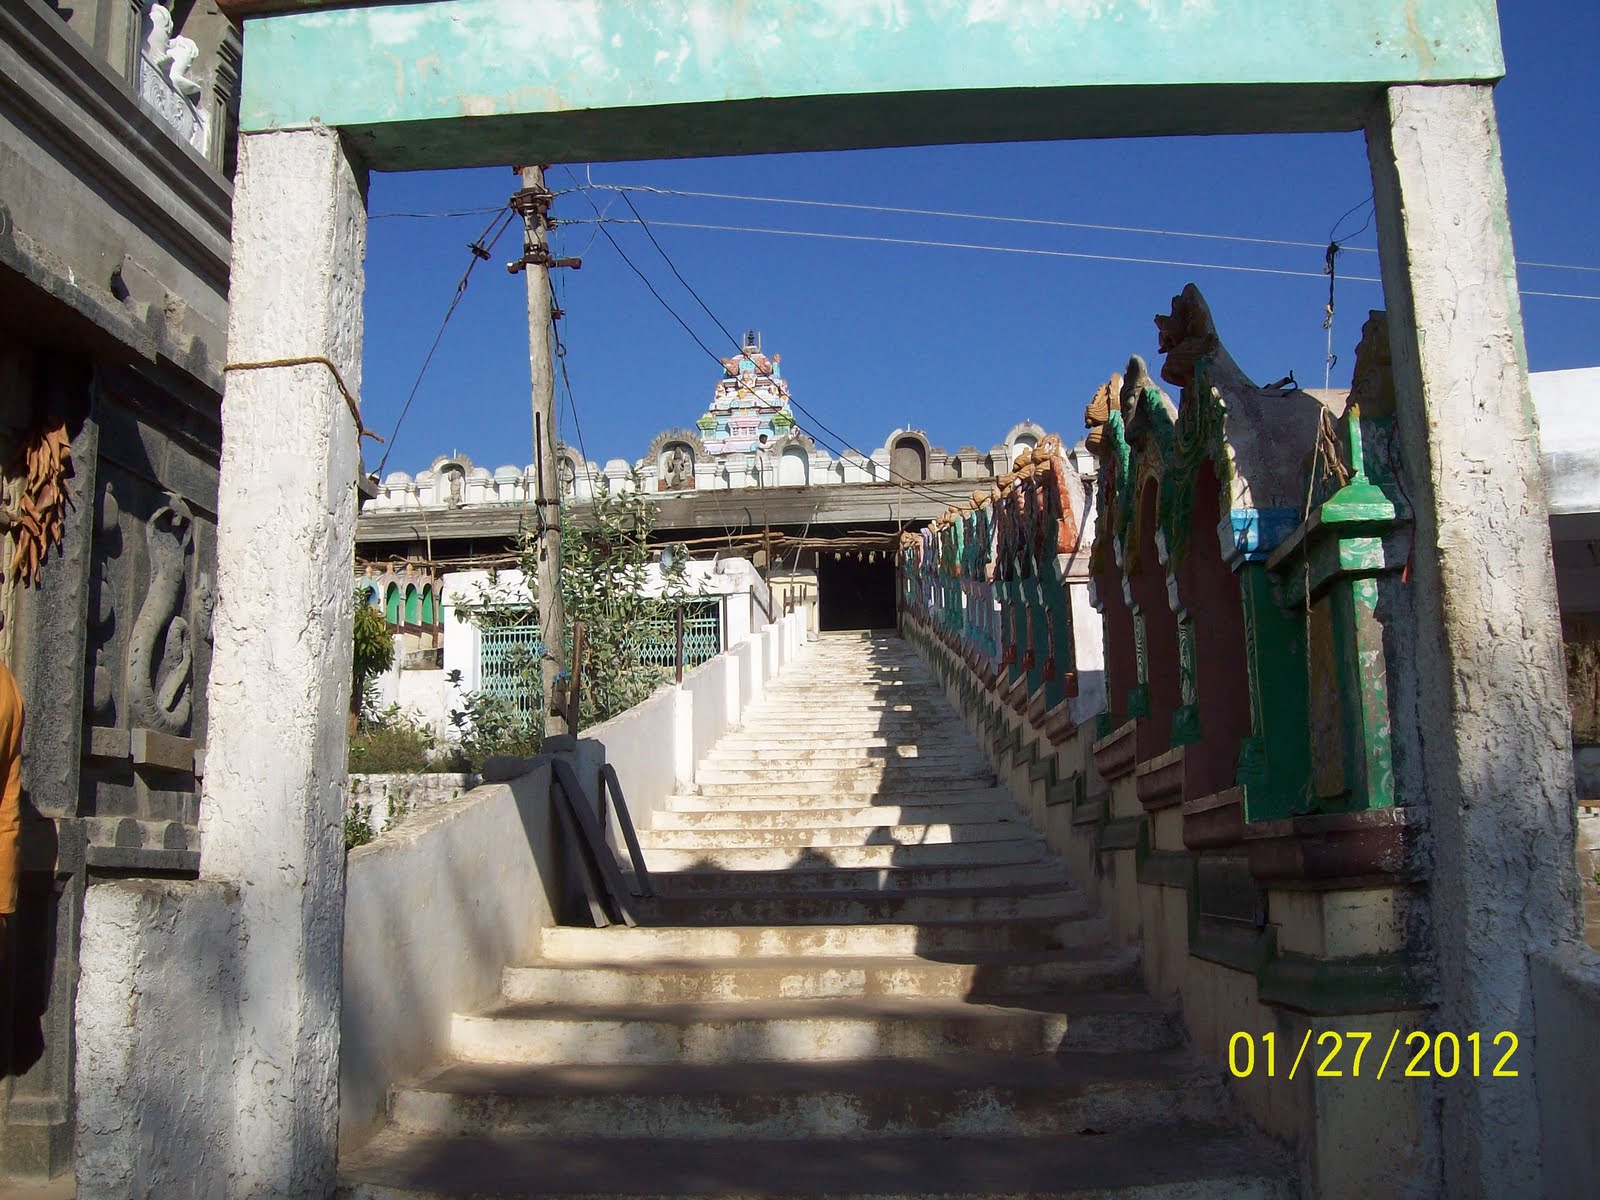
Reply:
x=750, y=407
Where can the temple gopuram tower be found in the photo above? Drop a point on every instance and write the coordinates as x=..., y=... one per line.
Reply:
x=750, y=408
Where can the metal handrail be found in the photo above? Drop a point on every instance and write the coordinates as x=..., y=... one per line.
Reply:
x=611, y=786
x=604, y=886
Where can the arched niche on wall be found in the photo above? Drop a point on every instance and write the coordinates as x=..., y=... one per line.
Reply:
x=1021, y=437
x=450, y=480
x=674, y=454
x=909, y=454
x=429, y=613
x=391, y=604
x=569, y=469
x=794, y=467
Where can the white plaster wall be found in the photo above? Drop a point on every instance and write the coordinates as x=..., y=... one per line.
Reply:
x=648, y=746
x=713, y=688
x=434, y=912
x=421, y=694
x=1568, y=404
x=424, y=696
x=1090, y=652
x=158, y=1036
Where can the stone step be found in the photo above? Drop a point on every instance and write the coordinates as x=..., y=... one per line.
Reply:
x=888, y=880
x=801, y=756
x=931, y=775
x=675, y=982
x=857, y=816
x=694, y=802
x=810, y=1030
x=851, y=694
x=1170, y=1162
x=796, y=740
x=942, y=940
x=855, y=685
x=898, y=785
x=810, y=757
x=795, y=727
x=863, y=908
x=1034, y=1095
x=929, y=834
x=1026, y=847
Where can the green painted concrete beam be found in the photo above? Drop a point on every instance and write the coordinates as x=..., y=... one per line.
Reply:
x=445, y=83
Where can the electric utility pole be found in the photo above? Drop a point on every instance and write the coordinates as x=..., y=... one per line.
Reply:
x=532, y=204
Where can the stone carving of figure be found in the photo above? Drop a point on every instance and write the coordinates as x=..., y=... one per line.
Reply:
x=156, y=46
x=678, y=468
x=160, y=661
x=455, y=479
x=183, y=51
x=569, y=477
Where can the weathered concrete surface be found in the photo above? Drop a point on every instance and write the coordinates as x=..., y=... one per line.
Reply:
x=409, y=80
x=434, y=912
x=419, y=793
x=280, y=681
x=1492, y=695
x=158, y=1039
x=1566, y=991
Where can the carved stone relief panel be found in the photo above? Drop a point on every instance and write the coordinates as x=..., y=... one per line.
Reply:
x=150, y=599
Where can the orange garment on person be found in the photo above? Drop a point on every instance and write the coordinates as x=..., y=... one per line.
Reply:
x=10, y=788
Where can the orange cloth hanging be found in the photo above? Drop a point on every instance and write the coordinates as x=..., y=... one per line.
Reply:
x=10, y=788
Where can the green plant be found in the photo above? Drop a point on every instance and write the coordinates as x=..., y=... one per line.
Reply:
x=399, y=810
x=487, y=726
x=605, y=559
x=358, y=825
x=373, y=654
x=390, y=743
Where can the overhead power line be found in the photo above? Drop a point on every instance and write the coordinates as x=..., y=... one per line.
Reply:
x=942, y=245
x=1029, y=250
x=1045, y=222
x=842, y=444
x=480, y=252
x=429, y=216
x=899, y=210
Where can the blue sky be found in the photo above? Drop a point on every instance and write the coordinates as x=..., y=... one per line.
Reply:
x=961, y=343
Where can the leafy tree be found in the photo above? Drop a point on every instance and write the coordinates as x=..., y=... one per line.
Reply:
x=374, y=653
x=605, y=556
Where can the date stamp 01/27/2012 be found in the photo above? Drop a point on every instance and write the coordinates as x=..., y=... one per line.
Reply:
x=1356, y=1055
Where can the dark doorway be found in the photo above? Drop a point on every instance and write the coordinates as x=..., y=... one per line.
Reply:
x=855, y=593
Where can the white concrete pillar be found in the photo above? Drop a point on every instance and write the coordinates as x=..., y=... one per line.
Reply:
x=683, y=738
x=750, y=660
x=280, y=679
x=1494, y=718
x=733, y=706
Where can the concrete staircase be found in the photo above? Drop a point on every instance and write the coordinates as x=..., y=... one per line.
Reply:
x=864, y=975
